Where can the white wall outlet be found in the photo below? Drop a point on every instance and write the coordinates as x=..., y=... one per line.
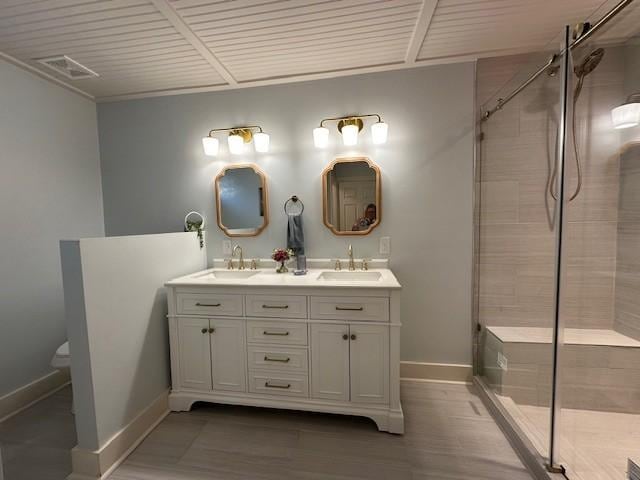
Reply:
x=385, y=245
x=226, y=247
x=502, y=362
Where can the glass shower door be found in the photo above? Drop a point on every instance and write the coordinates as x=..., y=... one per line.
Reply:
x=598, y=432
x=517, y=238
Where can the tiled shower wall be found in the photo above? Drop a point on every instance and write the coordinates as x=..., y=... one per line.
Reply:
x=627, y=299
x=516, y=238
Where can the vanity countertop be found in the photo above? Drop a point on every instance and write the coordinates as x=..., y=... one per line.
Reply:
x=267, y=277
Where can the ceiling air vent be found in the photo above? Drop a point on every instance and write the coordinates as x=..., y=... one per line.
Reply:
x=67, y=67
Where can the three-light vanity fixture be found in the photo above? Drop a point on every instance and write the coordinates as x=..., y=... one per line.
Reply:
x=349, y=127
x=628, y=114
x=236, y=140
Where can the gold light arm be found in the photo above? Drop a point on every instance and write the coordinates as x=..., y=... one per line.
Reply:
x=350, y=118
x=232, y=129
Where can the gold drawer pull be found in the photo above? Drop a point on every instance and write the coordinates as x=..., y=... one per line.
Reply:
x=198, y=304
x=281, y=334
x=276, y=306
x=271, y=359
x=350, y=309
x=273, y=385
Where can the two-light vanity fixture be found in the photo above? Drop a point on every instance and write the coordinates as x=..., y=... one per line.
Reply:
x=349, y=127
x=236, y=140
x=628, y=114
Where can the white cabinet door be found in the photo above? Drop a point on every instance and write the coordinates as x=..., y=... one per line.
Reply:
x=369, y=355
x=330, y=361
x=194, y=353
x=228, y=355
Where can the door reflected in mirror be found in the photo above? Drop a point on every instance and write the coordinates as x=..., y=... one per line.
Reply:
x=241, y=200
x=351, y=196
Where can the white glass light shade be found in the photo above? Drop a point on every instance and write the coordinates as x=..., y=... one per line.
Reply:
x=626, y=116
x=321, y=137
x=379, y=132
x=261, y=142
x=350, y=135
x=236, y=144
x=210, y=145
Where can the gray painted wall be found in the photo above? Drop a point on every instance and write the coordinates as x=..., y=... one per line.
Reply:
x=49, y=189
x=154, y=171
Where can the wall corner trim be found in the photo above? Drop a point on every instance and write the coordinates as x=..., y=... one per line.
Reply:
x=101, y=463
x=440, y=372
x=25, y=396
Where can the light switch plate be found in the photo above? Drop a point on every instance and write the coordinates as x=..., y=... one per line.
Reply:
x=226, y=247
x=385, y=245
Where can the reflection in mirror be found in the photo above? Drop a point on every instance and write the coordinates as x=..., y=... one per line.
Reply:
x=241, y=200
x=351, y=196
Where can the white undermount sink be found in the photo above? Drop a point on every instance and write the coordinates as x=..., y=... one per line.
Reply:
x=231, y=274
x=350, y=276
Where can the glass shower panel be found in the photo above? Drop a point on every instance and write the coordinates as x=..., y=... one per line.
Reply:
x=599, y=363
x=516, y=237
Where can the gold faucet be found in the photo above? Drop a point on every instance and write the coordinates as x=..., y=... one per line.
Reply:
x=241, y=260
x=352, y=264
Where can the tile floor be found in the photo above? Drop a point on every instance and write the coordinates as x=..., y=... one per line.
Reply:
x=449, y=436
x=593, y=445
x=36, y=443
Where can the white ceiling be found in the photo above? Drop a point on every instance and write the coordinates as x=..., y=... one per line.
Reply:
x=154, y=47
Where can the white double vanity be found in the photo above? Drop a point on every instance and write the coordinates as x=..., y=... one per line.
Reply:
x=327, y=341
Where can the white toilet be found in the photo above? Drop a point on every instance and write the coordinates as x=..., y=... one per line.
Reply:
x=62, y=359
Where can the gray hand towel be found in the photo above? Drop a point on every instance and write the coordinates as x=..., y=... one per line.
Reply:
x=295, y=235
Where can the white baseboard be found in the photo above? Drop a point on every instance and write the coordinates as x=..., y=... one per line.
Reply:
x=439, y=372
x=100, y=464
x=23, y=397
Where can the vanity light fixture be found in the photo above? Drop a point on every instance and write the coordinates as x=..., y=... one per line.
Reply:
x=628, y=114
x=237, y=138
x=350, y=127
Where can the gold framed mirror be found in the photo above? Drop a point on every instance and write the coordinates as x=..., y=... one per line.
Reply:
x=242, y=205
x=351, y=196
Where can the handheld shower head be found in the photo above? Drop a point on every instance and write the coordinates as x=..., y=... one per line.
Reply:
x=589, y=63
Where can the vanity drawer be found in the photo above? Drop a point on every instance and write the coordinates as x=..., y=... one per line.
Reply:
x=374, y=309
x=264, y=357
x=227, y=305
x=284, y=333
x=279, y=384
x=289, y=306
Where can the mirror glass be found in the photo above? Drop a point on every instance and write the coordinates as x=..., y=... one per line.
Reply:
x=241, y=200
x=351, y=196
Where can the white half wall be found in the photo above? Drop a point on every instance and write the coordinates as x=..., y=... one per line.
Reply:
x=50, y=189
x=116, y=307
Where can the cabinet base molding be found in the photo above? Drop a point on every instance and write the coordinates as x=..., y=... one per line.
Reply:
x=386, y=419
